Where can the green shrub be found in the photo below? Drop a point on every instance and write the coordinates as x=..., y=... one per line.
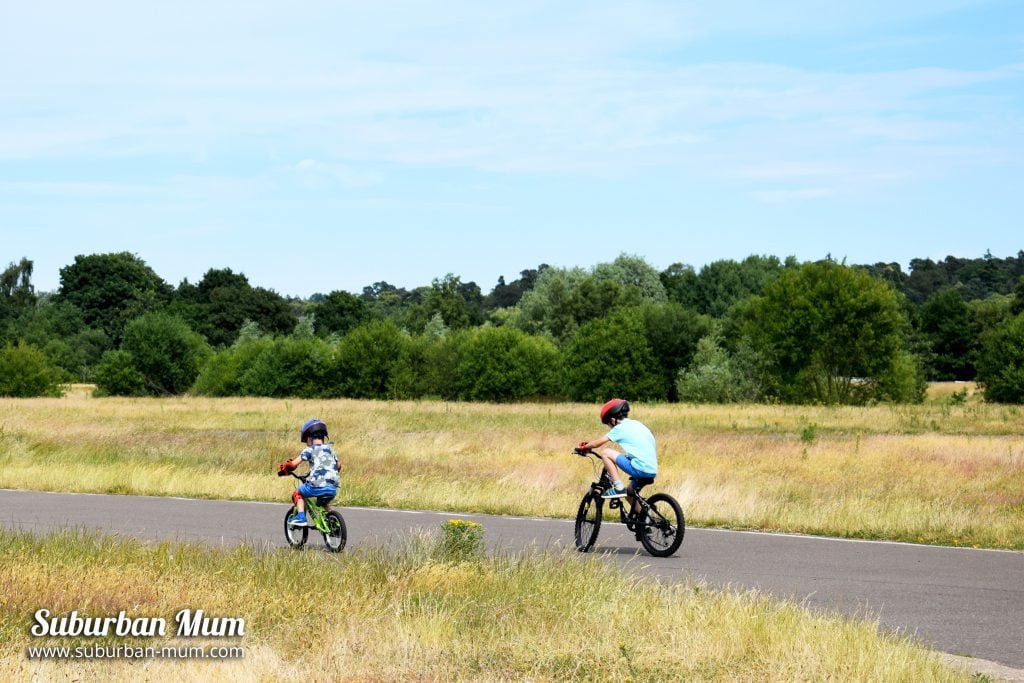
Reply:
x=223, y=371
x=26, y=371
x=165, y=351
x=116, y=375
x=461, y=541
x=442, y=364
x=366, y=360
x=496, y=364
x=290, y=366
x=717, y=376
x=409, y=377
x=1001, y=365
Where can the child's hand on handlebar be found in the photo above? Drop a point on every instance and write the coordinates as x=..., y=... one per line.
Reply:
x=285, y=468
x=582, y=449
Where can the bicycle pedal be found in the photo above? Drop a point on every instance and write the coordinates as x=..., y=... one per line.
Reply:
x=614, y=504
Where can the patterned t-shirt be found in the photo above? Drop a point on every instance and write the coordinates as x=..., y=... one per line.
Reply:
x=323, y=465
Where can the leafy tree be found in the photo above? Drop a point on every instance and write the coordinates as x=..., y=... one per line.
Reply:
x=681, y=284
x=833, y=334
x=385, y=300
x=166, y=352
x=1017, y=304
x=1001, y=364
x=547, y=308
x=459, y=304
x=508, y=295
x=979, y=278
x=611, y=357
x=948, y=323
x=17, y=295
x=58, y=329
x=639, y=279
x=76, y=356
x=338, y=312
x=111, y=289
x=891, y=273
x=564, y=299
x=222, y=301
x=673, y=332
x=26, y=371
x=721, y=284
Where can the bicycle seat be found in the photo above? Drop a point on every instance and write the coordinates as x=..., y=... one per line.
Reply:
x=641, y=482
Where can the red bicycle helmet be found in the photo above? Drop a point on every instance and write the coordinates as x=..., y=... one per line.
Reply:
x=617, y=408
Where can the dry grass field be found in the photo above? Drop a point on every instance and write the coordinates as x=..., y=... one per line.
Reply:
x=415, y=614
x=937, y=473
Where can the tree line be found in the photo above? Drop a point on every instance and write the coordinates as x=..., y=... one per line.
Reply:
x=760, y=329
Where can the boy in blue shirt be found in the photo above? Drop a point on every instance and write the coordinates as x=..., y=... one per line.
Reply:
x=639, y=458
x=322, y=482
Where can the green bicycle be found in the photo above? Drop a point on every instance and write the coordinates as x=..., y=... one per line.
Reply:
x=330, y=523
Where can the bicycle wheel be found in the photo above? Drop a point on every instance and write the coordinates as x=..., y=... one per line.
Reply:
x=588, y=521
x=295, y=535
x=337, y=532
x=663, y=526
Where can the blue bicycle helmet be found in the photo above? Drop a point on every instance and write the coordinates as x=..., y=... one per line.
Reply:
x=315, y=428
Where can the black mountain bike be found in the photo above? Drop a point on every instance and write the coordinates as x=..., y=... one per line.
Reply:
x=659, y=524
x=330, y=523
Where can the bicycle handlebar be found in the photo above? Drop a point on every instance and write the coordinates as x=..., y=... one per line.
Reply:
x=583, y=452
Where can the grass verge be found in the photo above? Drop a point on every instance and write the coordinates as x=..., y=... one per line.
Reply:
x=417, y=613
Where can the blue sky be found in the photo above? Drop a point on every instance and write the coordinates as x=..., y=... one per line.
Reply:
x=317, y=146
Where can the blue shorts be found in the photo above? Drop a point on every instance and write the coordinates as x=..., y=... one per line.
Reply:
x=323, y=494
x=625, y=464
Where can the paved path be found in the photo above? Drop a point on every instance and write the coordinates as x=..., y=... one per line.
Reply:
x=961, y=601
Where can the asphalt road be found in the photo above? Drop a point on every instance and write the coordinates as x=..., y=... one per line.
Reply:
x=961, y=601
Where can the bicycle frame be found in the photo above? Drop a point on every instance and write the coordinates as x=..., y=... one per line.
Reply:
x=329, y=522
x=603, y=482
x=660, y=535
x=316, y=511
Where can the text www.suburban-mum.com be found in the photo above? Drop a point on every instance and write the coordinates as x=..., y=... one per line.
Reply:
x=130, y=652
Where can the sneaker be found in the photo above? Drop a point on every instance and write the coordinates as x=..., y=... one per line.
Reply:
x=614, y=493
x=298, y=520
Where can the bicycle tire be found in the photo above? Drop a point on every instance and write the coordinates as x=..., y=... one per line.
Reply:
x=295, y=535
x=588, y=521
x=337, y=535
x=662, y=532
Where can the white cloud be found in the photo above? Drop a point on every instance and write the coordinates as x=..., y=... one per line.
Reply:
x=534, y=87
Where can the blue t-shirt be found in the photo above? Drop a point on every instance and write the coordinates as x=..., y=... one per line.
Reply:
x=637, y=441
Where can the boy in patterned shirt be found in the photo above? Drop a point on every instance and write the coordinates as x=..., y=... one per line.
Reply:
x=323, y=479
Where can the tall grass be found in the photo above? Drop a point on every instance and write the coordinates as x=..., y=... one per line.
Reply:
x=416, y=614
x=935, y=473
